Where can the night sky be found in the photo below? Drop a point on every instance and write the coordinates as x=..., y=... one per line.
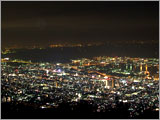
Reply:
x=43, y=23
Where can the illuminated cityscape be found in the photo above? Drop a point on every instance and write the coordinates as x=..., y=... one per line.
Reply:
x=67, y=63
x=101, y=81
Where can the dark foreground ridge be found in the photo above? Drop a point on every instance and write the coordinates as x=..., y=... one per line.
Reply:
x=81, y=111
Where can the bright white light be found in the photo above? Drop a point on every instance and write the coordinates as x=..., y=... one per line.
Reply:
x=43, y=107
x=76, y=74
x=123, y=81
x=124, y=101
x=59, y=70
x=47, y=71
x=58, y=64
x=79, y=95
x=63, y=73
x=6, y=58
x=133, y=87
x=157, y=109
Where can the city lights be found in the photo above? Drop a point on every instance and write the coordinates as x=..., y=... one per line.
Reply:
x=80, y=60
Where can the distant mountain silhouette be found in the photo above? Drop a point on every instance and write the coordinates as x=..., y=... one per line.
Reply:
x=66, y=53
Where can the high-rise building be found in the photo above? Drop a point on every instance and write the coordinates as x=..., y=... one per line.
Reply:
x=130, y=67
x=126, y=66
x=140, y=67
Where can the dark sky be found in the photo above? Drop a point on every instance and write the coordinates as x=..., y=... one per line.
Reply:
x=42, y=23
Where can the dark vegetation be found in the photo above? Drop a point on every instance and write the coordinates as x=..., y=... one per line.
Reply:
x=82, y=110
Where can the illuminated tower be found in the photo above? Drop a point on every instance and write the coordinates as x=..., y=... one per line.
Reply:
x=106, y=82
x=140, y=67
x=81, y=63
x=135, y=67
x=146, y=68
x=47, y=71
x=131, y=67
x=126, y=66
x=112, y=83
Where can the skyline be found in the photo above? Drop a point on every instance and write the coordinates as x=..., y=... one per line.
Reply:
x=44, y=23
